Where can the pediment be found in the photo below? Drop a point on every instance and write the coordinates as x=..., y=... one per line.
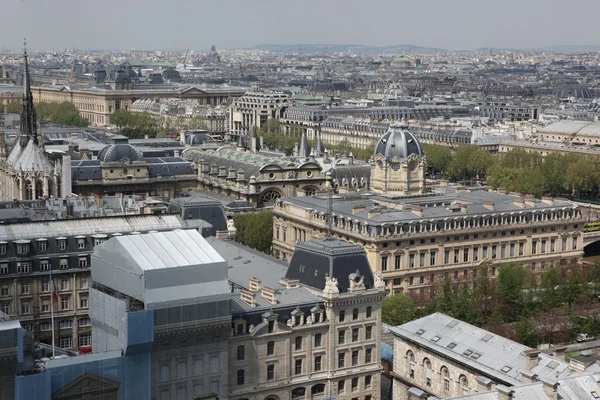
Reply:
x=193, y=90
x=86, y=385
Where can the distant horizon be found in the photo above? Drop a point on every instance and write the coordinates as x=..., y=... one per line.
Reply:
x=236, y=24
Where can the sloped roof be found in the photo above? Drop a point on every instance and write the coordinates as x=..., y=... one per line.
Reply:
x=32, y=159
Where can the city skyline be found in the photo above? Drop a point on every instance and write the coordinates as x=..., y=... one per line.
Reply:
x=460, y=25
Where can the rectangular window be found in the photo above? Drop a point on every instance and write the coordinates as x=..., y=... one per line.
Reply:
x=341, y=385
x=354, y=384
x=317, y=363
x=4, y=290
x=25, y=288
x=485, y=255
x=368, y=333
x=214, y=364
x=341, y=360
x=465, y=255
x=534, y=247
x=271, y=372
x=552, y=245
x=354, y=335
x=83, y=284
x=503, y=251
x=65, y=324
x=318, y=338
x=84, y=322
x=342, y=315
x=164, y=372
x=24, y=267
x=575, y=239
x=62, y=244
x=25, y=309
x=6, y=308
x=85, y=339
x=432, y=258
x=83, y=262
x=475, y=253
x=2, y=248
x=64, y=302
x=341, y=337
x=521, y=248
x=270, y=348
x=512, y=249
x=46, y=326
x=65, y=342
x=398, y=262
x=44, y=265
x=564, y=244
x=367, y=381
x=81, y=244
x=543, y=246
x=447, y=257
x=384, y=263
x=369, y=312
x=64, y=263
x=3, y=268
x=298, y=344
x=42, y=245
x=83, y=301
x=298, y=367
x=355, y=314
x=494, y=251
x=64, y=284
x=456, y=255
x=411, y=260
x=181, y=370
x=355, y=358
x=368, y=355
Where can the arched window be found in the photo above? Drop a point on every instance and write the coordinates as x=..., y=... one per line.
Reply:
x=445, y=378
x=428, y=372
x=464, y=384
x=298, y=393
x=410, y=359
x=318, y=389
x=240, y=353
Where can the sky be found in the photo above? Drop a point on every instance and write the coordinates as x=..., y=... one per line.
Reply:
x=179, y=24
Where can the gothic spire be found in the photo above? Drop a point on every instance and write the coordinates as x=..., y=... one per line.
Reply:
x=28, y=119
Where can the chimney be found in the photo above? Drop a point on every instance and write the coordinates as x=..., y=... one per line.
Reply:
x=528, y=376
x=559, y=351
x=289, y=283
x=358, y=208
x=548, y=200
x=417, y=210
x=269, y=295
x=489, y=205
x=532, y=358
x=254, y=284
x=373, y=212
x=518, y=201
x=248, y=297
x=483, y=384
x=504, y=393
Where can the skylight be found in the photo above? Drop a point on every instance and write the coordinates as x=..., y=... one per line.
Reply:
x=475, y=356
x=487, y=337
x=435, y=338
x=452, y=323
x=420, y=332
x=552, y=364
x=451, y=345
x=467, y=353
x=506, y=369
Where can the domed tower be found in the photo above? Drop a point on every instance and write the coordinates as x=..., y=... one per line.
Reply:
x=398, y=165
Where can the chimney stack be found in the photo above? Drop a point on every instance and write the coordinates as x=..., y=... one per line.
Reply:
x=532, y=358
x=248, y=297
x=254, y=284
x=269, y=295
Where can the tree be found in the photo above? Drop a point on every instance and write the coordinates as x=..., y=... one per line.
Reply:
x=515, y=284
x=14, y=107
x=469, y=161
x=532, y=182
x=121, y=118
x=549, y=294
x=64, y=113
x=582, y=175
x=573, y=287
x=526, y=332
x=272, y=125
x=196, y=123
x=255, y=230
x=438, y=157
x=398, y=309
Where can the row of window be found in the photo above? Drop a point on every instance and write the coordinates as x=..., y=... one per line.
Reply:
x=355, y=314
x=457, y=256
x=182, y=391
x=26, y=266
x=23, y=247
x=45, y=286
x=64, y=302
x=65, y=324
x=165, y=374
x=428, y=374
x=355, y=334
x=355, y=358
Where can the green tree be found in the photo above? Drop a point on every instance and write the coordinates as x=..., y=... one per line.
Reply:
x=582, y=175
x=516, y=284
x=438, y=157
x=398, y=309
x=469, y=161
x=197, y=122
x=255, y=230
x=526, y=332
x=121, y=118
x=14, y=107
x=45, y=110
x=532, y=182
x=554, y=168
x=550, y=293
x=573, y=287
x=272, y=125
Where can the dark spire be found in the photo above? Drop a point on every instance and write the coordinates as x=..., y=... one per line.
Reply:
x=319, y=146
x=303, y=148
x=28, y=118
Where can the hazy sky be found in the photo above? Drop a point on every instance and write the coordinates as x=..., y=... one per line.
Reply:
x=169, y=24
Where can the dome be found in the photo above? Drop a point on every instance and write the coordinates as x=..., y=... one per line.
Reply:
x=118, y=152
x=576, y=90
x=398, y=142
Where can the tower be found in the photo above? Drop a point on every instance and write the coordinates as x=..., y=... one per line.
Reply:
x=398, y=164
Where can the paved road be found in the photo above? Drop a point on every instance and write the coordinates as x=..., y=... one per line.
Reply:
x=592, y=344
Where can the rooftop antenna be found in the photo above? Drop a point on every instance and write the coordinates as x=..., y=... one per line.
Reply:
x=329, y=211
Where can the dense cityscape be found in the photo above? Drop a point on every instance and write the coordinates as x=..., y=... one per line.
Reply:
x=299, y=222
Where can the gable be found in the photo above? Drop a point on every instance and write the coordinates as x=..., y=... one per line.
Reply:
x=88, y=386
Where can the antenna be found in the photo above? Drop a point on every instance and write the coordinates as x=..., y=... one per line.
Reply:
x=329, y=211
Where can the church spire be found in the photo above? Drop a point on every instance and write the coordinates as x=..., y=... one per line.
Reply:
x=28, y=119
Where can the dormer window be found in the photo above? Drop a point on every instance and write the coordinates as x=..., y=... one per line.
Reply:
x=270, y=319
x=297, y=317
x=42, y=245
x=271, y=326
x=239, y=326
x=2, y=248
x=81, y=242
x=99, y=239
x=62, y=243
x=22, y=247
x=316, y=312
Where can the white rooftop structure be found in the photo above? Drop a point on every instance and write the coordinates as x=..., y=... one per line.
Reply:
x=161, y=269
